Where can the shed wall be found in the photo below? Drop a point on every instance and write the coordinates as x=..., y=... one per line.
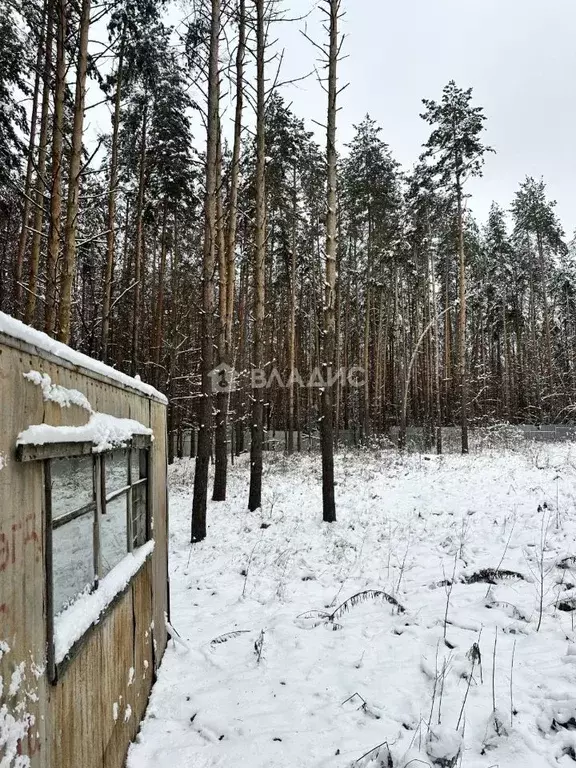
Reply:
x=74, y=722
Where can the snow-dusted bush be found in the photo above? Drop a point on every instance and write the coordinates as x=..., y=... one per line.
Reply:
x=498, y=437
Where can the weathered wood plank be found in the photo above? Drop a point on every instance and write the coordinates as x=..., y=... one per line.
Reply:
x=22, y=625
x=29, y=452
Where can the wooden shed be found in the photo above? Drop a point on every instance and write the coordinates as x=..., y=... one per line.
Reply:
x=83, y=553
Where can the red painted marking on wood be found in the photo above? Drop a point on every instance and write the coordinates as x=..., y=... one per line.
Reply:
x=5, y=621
x=15, y=528
x=13, y=544
x=30, y=535
x=33, y=744
x=4, y=552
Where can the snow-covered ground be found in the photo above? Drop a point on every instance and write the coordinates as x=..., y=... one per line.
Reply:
x=273, y=673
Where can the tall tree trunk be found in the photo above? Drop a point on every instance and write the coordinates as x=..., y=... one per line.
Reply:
x=545, y=309
x=257, y=427
x=462, y=321
x=30, y=313
x=23, y=239
x=199, y=502
x=56, y=187
x=72, y=208
x=437, y=381
x=227, y=266
x=235, y=172
x=158, y=335
x=327, y=430
x=448, y=388
x=506, y=368
x=220, y=451
x=366, y=421
x=292, y=318
x=111, y=213
x=138, y=246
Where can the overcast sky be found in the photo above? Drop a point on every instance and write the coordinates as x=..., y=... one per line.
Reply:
x=519, y=56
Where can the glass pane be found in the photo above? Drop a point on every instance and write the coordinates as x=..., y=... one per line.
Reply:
x=116, y=471
x=139, y=497
x=138, y=464
x=72, y=555
x=113, y=534
x=72, y=484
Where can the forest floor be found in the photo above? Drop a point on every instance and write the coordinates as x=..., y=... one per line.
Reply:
x=475, y=666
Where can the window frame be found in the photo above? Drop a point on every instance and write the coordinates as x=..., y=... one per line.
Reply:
x=70, y=450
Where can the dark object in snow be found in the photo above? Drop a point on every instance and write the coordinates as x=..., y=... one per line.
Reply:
x=362, y=597
x=312, y=619
x=569, y=725
x=380, y=752
x=567, y=562
x=441, y=583
x=567, y=605
x=276, y=738
x=265, y=525
x=491, y=576
x=228, y=636
x=259, y=646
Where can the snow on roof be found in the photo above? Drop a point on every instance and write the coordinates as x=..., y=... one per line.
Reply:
x=18, y=330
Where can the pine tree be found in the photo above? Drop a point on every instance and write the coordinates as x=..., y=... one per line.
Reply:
x=259, y=273
x=12, y=114
x=227, y=264
x=455, y=153
x=371, y=191
x=332, y=10
x=199, y=502
x=534, y=218
x=74, y=178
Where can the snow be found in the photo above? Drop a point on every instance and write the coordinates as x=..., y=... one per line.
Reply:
x=18, y=330
x=56, y=393
x=462, y=676
x=72, y=623
x=103, y=430
x=18, y=676
x=15, y=720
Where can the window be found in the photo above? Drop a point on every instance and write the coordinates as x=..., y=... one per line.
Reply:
x=73, y=511
x=97, y=511
x=123, y=522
